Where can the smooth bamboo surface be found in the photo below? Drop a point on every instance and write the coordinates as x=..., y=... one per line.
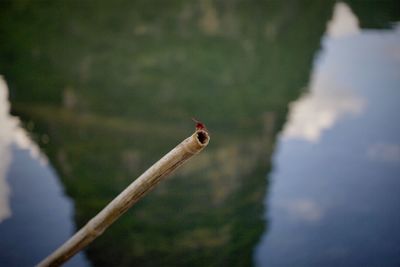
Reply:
x=135, y=191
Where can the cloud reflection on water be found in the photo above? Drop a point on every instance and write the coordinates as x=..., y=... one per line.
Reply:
x=11, y=133
x=329, y=98
x=29, y=192
x=335, y=188
x=384, y=152
x=7, y=124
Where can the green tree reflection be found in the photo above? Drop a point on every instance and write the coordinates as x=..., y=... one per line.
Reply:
x=114, y=84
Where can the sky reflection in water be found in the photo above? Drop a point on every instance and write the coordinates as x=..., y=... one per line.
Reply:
x=35, y=215
x=335, y=187
x=334, y=182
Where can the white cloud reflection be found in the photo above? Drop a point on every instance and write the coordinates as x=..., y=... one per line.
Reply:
x=343, y=23
x=303, y=209
x=11, y=133
x=8, y=125
x=384, y=152
x=320, y=109
x=329, y=99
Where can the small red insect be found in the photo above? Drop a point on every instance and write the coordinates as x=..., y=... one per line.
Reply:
x=199, y=125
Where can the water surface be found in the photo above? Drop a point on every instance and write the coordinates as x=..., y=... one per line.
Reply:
x=35, y=214
x=335, y=184
x=104, y=89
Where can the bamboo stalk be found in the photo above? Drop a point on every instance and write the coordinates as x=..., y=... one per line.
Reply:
x=136, y=190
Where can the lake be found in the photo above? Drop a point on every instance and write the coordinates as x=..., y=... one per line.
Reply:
x=301, y=100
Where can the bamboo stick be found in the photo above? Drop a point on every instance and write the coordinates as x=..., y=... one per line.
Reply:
x=136, y=190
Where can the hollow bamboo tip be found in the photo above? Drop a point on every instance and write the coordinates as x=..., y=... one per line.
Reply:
x=202, y=137
x=195, y=143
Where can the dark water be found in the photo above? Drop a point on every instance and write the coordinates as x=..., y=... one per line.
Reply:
x=301, y=100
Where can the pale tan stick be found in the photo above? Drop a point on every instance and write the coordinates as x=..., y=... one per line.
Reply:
x=96, y=226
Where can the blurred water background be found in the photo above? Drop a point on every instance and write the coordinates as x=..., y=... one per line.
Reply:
x=301, y=98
